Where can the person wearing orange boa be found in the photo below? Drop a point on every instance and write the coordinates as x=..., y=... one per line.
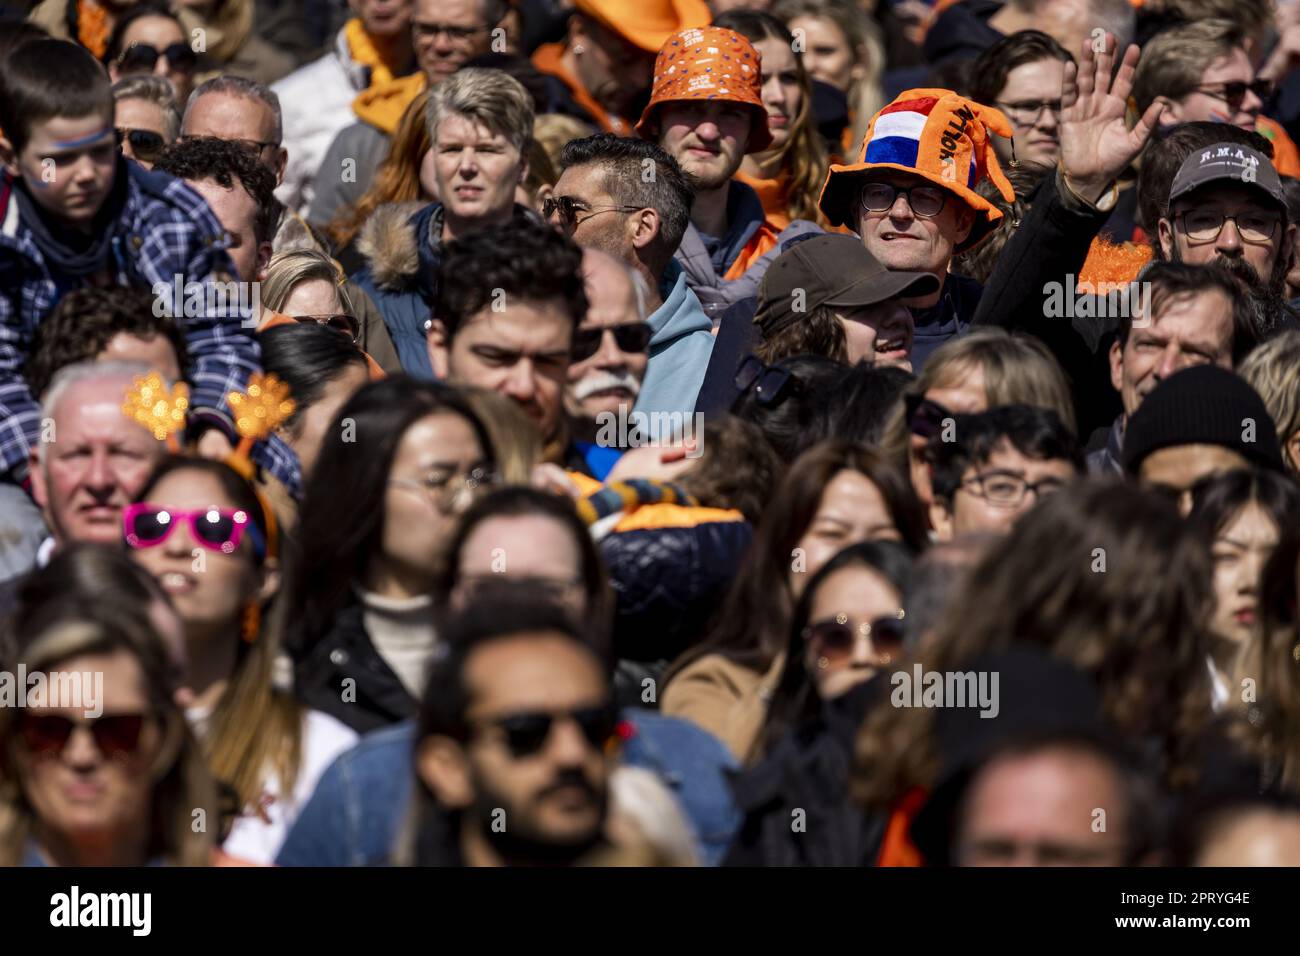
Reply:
x=371, y=51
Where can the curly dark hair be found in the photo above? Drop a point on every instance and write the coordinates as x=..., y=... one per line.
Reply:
x=224, y=161
x=86, y=320
x=524, y=259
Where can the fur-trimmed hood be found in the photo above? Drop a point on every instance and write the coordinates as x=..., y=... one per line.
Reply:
x=389, y=242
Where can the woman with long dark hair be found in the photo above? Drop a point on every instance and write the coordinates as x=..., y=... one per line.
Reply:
x=835, y=495
x=848, y=627
x=1240, y=516
x=397, y=466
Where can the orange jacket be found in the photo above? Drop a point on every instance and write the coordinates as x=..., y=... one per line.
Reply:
x=759, y=243
x=1286, y=157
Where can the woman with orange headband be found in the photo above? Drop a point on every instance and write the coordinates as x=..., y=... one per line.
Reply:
x=209, y=538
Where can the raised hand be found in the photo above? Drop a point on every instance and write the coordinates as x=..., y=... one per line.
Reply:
x=1096, y=144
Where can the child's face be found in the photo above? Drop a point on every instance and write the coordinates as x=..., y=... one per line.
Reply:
x=68, y=166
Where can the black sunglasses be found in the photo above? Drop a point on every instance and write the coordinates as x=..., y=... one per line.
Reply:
x=925, y=418
x=834, y=640
x=526, y=733
x=145, y=144
x=141, y=57
x=1234, y=92
x=631, y=337
x=769, y=382
x=117, y=735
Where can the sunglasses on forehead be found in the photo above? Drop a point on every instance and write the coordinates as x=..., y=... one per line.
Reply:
x=142, y=58
x=630, y=337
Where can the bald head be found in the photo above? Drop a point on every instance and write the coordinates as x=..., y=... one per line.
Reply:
x=612, y=375
x=615, y=294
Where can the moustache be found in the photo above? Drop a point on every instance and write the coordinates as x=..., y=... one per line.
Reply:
x=599, y=380
x=567, y=779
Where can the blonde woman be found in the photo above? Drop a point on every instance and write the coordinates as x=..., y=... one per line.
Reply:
x=1273, y=370
x=154, y=800
x=841, y=46
x=308, y=286
x=788, y=176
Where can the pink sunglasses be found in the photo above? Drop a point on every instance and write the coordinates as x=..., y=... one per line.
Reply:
x=217, y=529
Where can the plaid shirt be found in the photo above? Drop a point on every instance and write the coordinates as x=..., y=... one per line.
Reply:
x=165, y=234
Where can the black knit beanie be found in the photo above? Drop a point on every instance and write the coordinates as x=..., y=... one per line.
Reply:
x=1202, y=405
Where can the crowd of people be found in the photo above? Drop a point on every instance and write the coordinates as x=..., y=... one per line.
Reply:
x=650, y=432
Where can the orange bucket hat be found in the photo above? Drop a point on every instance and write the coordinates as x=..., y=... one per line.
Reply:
x=646, y=23
x=709, y=63
x=935, y=134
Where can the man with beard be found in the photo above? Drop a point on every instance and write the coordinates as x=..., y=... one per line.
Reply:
x=511, y=741
x=1227, y=206
x=610, y=353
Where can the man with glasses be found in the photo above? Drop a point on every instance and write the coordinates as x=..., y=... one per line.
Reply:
x=629, y=198
x=911, y=196
x=1226, y=206
x=996, y=465
x=1201, y=422
x=445, y=35
x=1023, y=75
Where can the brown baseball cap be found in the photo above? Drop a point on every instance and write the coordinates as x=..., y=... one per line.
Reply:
x=834, y=270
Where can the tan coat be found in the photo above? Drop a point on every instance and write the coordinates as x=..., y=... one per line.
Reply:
x=724, y=698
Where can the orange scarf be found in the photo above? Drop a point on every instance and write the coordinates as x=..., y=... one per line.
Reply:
x=92, y=27
x=363, y=51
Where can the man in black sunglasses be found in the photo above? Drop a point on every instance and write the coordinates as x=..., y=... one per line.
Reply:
x=1202, y=72
x=610, y=348
x=512, y=737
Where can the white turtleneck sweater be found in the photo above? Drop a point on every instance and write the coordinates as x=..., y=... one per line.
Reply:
x=402, y=631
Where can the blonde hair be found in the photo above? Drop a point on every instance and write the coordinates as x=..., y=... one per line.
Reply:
x=1018, y=370
x=514, y=437
x=491, y=97
x=1273, y=370
x=182, y=784
x=287, y=269
x=865, y=94
x=155, y=90
x=553, y=130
